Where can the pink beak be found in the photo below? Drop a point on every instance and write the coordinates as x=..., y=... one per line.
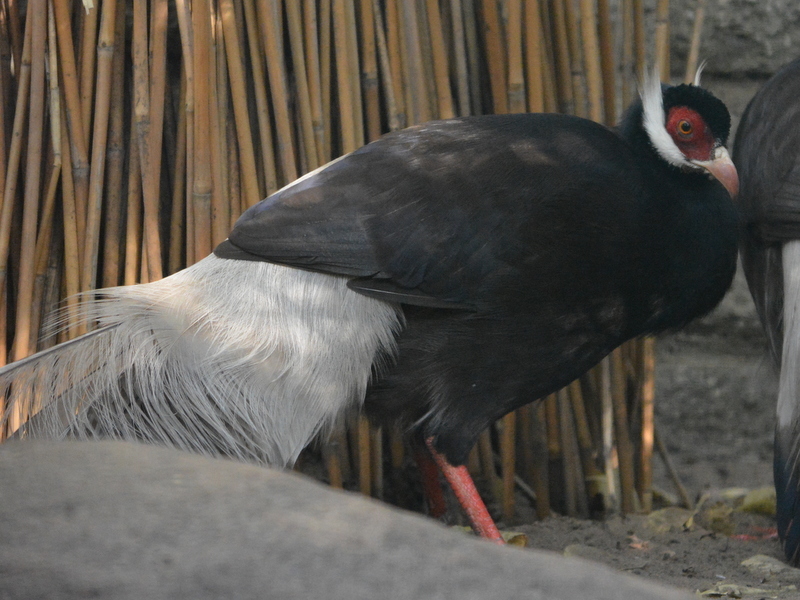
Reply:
x=722, y=168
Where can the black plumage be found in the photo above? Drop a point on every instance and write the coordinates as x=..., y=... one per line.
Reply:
x=523, y=248
x=767, y=155
x=461, y=268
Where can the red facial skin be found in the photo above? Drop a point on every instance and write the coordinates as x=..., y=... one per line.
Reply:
x=690, y=133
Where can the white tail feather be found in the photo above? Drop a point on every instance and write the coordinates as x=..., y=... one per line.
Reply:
x=239, y=358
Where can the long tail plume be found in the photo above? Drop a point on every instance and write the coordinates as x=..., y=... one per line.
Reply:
x=237, y=358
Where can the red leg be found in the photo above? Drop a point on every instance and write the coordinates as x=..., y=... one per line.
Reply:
x=468, y=497
x=431, y=486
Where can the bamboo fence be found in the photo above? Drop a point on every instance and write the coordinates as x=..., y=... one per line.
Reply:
x=134, y=134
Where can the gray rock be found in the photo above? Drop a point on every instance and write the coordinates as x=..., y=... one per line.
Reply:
x=116, y=520
x=740, y=37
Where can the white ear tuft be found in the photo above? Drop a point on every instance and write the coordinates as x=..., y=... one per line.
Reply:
x=699, y=72
x=654, y=120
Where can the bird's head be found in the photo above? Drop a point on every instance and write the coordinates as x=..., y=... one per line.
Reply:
x=689, y=127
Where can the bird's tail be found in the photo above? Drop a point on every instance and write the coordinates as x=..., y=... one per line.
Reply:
x=787, y=434
x=238, y=358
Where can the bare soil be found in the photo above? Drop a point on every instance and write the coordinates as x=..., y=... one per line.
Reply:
x=716, y=390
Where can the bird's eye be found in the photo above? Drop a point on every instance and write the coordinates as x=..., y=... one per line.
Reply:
x=685, y=128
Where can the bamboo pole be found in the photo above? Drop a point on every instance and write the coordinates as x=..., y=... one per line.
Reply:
x=269, y=13
x=394, y=116
x=301, y=78
x=624, y=445
x=369, y=71
x=15, y=154
x=77, y=130
x=591, y=56
x=239, y=95
x=311, y=27
x=89, y=19
x=265, y=135
x=115, y=160
x=516, y=74
x=219, y=109
x=508, y=429
x=460, y=55
x=201, y=149
x=444, y=97
x=662, y=39
x=495, y=56
x=534, y=56
x=105, y=51
x=395, y=59
x=694, y=46
x=607, y=62
x=37, y=13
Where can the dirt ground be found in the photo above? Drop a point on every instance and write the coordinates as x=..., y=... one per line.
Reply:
x=716, y=390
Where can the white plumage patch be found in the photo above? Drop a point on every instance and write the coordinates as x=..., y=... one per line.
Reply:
x=238, y=358
x=655, y=122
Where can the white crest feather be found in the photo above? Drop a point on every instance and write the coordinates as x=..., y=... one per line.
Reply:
x=698, y=73
x=654, y=121
x=237, y=358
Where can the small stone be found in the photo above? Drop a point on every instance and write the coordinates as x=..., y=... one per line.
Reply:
x=761, y=501
x=764, y=565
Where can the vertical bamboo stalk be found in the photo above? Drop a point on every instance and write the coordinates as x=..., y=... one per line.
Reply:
x=364, y=455
x=115, y=159
x=555, y=462
x=591, y=54
x=369, y=71
x=178, y=213
x=239, y=94
x=493, y=36
x=566, y=101
x=534, y=56
x=186, y=29
x=418, y=102
x=395, y=58
x=694, y=46
x=508, y=429
x=609, y=449
x=87, y=62
x=486, y=455
x=271, y=22
x=37, y=12
x=473, y=55
x=326, y=72
x=624, y=446
x=639, y=48
x=301, y=77
x=201, y=169
x=628, y=63
x=349, y=133
x=78, y=133
x=540, y=475
x=15, y=153
x=444, y=97
x=576, y=59
x=262, y=101
x=72, y=273
x=313, y=69
x=105, y=50
x=460, y=56
x=393, y=116
x=133, y=240
x=516, y=75
x=219, y=107
x=662, y=39
x=607, y=62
